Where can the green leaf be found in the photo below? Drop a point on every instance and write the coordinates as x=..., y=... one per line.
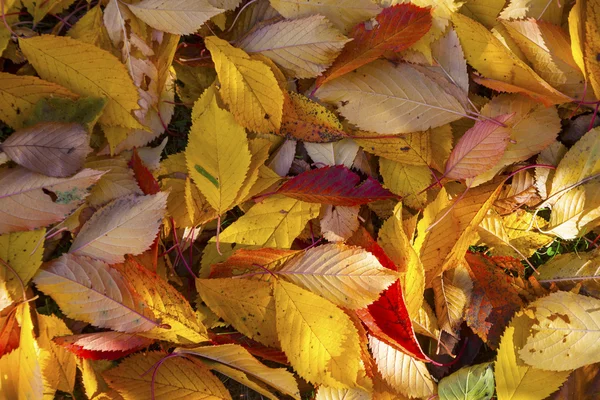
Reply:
x=469, y=383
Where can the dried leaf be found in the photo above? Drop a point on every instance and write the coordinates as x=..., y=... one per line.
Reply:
x=52, y=149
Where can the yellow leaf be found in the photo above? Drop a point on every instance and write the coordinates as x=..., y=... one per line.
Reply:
x=90, y=29
x=402, y=372
x=88, y=71
x=592, y=44
x=548, y=49
x=348, y=276
x=483, y=11
x=441, y=11
x=274, y=222
x=259, y=148
x=303, y=47
x=516, y=380
x=564, y=334
x=167, y=304
x=200, y=212
x=504, y=70
x=128, y=225
x=577, y=34
x=318, y=338
x=248, y=87
x=328, y=393
x=397, y=246
x=390, y=99
x=453, y=230
x=416, y=148
x=42, y=8
x=344, y=14
x=21, y=377
x=217, y=156
x=79, y=285
x=23, y=252
x=20, y=94
x=176, y=377
x=58, y=365
x=180, y=17
x=245, y=304
x=452, y=293
x=238, y=357
x=407, y=181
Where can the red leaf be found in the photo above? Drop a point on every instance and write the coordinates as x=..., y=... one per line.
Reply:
x=493, y=301
x=103, y=345
x=143, y=176
x=387, y=318
x=10, y=333
x=255, y=348
x=336, y=186
x=396, y=29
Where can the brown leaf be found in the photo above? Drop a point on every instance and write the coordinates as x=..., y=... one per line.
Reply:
x=50, y=148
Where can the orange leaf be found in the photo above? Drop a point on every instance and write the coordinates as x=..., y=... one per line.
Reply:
x=395, y=29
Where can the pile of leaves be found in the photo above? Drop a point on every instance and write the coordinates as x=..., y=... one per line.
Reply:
x=358, y=199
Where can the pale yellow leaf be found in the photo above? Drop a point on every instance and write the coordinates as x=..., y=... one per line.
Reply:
x=516, y=380
x=318, y=338
x=448, y=53
x=217, y=156
x=402, y=372
x=88, y=71
x=551, y=155
x=303, y=47
x=177, y=377
x=344, y=14
x=180, y=17
x=19, y=95
x=565, y=332
x=537, y=9
x=348, y=276
x=127, y=225
x=91, y=291
x=259, y=150
x=339, y=223
x=238, y=357
x=24, y=204
x=570, y=269
x=118, y=180
x=248, y=87
x=247, y=305
x=342, y=152
x=388, y=99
